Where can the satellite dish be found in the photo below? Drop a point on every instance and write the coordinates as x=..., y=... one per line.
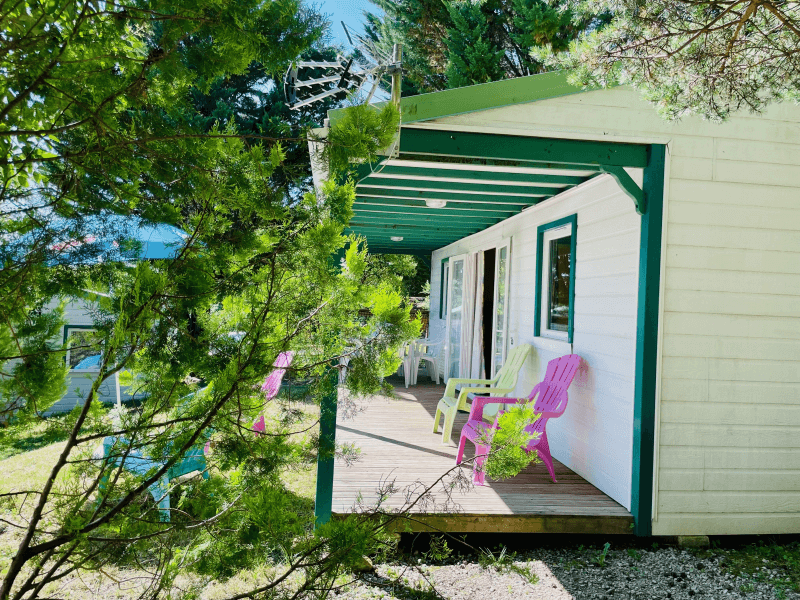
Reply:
x=340, y=77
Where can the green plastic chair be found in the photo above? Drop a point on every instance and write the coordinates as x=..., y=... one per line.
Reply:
x=501, y=385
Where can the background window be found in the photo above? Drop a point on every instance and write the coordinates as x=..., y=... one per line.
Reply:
x=83, y=349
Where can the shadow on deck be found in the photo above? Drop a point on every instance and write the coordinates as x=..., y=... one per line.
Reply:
x=397, y=444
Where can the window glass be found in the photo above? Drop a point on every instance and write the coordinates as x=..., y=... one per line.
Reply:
x=500, y=307
x=456, y=306
x=558, y=284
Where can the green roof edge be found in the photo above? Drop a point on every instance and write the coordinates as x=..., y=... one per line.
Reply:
x=482, y=96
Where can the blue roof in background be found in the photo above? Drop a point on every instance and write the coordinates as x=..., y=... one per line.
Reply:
x=110, y=237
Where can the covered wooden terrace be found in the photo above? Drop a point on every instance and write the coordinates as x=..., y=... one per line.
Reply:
x=397, y=446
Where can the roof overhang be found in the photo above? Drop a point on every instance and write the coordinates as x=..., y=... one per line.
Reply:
x=442, y=185
x=447, y=185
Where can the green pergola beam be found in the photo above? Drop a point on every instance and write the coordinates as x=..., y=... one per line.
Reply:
x=412, y=228
x=425, y=213
x=408, y=239
x=518, y=202
x=479, y=205
x=478, y=176
x=405, y=219
x=513, y=147
x=372, y=184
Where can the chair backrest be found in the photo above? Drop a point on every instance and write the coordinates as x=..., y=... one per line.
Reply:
x=509, y=372
x=272, y=384
x=558, y=377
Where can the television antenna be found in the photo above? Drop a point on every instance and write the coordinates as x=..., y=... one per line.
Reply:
x=341, y=77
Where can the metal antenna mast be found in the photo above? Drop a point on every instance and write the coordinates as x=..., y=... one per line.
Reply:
x=339, y=78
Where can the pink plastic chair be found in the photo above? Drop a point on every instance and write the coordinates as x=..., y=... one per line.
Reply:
x=551, y=403
x=272, y=384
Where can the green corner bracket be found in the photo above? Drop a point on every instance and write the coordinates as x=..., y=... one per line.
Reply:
x=628, y=185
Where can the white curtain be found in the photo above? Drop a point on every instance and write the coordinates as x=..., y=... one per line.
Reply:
x=476, y=355
x=468, y=315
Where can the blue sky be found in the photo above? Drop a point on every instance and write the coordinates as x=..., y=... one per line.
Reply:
x=349, y=11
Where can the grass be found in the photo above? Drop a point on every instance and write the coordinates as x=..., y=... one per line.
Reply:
x=758, y=560
x=36, y=436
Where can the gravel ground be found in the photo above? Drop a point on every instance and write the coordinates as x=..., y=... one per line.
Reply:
x=569, y=573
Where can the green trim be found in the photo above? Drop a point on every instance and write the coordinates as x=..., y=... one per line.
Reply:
x=629, y=186
x=411, y=212
x=418, y=220
x=570, y=220
x=524, y=163
x=323, y=500
x=418, y=227
x=450, y=186
x=513, y=147
x=453, y=209
x=483, y=176
x=479, y=97
x=645, y=382
x=514, y=203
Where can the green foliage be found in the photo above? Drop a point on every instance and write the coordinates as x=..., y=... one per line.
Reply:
x=461, y=42
x=472, y=57
x=692, y=58
x=600, y=557
x=507, y=457
x=142, y=111
x=503, y=562
x=751, y=560
x=360, y=134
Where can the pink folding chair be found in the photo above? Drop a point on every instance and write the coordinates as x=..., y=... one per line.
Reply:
x=272, y=384
x=270, y=387
x=551, y=402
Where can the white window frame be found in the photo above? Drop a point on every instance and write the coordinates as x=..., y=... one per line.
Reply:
x=547, y=237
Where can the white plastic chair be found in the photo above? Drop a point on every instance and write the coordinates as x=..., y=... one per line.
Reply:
x=426, y=351
x=406, y=352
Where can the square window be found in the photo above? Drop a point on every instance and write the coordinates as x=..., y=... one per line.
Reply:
x=555, y=285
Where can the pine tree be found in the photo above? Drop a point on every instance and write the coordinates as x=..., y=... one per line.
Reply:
x=448, y=43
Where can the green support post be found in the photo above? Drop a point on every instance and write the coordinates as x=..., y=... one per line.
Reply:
x=323, y=501
x=644, y=407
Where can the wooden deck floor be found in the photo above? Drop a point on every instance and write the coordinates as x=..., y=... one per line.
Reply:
x=397, y=444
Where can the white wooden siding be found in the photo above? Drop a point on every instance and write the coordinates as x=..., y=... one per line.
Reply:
x=728, y=430
x=594, y=437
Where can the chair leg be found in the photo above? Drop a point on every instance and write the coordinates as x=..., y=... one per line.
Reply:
x=160, y=493
x=438, y=414
x=543, y=450
x=449, y=419
x=461, y=446
x=478, y=475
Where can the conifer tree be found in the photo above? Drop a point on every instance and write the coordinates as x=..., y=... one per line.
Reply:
x=449, y=43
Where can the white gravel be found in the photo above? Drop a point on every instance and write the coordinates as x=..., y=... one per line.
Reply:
x=569, y=573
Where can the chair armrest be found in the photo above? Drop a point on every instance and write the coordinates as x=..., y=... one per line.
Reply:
x=450, y=390
x=478, y=404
